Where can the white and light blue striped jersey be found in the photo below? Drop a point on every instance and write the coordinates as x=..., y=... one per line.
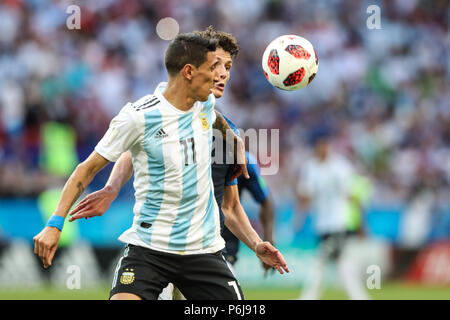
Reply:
x=175, y=209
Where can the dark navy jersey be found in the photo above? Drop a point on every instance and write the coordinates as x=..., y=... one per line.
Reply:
x=221, y=175
x=256, y=184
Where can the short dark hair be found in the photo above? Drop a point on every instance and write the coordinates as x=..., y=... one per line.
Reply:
x=226, y=41
x=188, y=48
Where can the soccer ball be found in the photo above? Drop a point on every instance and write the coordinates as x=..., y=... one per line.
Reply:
x=290, y=62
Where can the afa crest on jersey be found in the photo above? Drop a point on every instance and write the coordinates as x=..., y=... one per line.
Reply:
x=127, y=277
x=205, y=123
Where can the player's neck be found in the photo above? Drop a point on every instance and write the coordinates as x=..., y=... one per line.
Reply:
x=178, y=95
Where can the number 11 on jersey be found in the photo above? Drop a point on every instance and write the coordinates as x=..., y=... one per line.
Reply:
x=189, y=157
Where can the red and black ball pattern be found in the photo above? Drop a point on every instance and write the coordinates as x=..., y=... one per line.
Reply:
x=274, y=62
x=294, y=78
x=298, y=51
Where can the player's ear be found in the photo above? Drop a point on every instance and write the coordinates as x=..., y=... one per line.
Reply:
x=188, y=71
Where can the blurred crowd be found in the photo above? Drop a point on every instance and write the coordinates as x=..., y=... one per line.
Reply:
x=384, y=92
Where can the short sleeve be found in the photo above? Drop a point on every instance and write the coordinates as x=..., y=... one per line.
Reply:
x=232, y=127
x=256, y=184
x=124, y=131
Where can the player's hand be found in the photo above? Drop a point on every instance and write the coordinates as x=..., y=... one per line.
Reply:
x=45, y=245
x=94, y=204
x=268, y=269
x=240, y=160
x=271, y=256
x=266, y=266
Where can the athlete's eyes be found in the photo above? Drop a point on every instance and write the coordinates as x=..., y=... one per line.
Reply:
x=214, y=66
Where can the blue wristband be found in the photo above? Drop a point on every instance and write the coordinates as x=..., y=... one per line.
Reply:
x=56, y=221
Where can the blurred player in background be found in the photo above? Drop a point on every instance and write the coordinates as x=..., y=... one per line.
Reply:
x=160, y=244
x=223, y=173
x=325, y=186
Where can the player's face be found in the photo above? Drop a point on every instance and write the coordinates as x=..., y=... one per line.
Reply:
x=206, y=76
x=221, y=83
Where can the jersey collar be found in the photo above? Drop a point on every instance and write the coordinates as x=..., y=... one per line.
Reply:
x=159, y=94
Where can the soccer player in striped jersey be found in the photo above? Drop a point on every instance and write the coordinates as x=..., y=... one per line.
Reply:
x=176, y=225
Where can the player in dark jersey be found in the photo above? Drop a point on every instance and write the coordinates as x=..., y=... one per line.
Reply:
x=222, y=177
x=259, y=191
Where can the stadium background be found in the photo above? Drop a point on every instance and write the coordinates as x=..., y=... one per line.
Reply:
x=384, y=92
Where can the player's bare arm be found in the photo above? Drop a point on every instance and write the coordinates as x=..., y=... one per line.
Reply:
x=46, y=242
x=97, y=203
x=237, y=221
x=266, y=217
x=238, y=145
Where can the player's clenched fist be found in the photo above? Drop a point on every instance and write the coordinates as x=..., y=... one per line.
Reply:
x=45, y=244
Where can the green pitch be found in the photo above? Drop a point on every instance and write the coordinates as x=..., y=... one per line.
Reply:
x=393, y=291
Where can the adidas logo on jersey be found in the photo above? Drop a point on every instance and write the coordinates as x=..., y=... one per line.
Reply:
x=161, y=134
